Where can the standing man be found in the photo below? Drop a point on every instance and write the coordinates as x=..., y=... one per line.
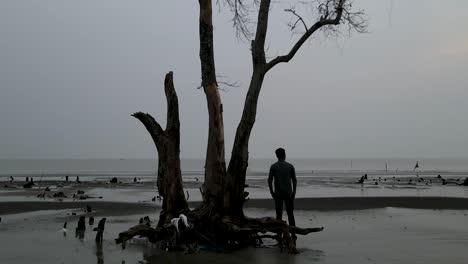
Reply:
x=284, y=176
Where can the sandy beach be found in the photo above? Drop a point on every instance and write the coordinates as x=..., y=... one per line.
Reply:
x=306, y=204
x=126, y=140
x=384, y=235
x=388, y=219
x=100, y=208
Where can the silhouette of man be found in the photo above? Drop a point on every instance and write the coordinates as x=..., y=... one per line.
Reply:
x=283, y=175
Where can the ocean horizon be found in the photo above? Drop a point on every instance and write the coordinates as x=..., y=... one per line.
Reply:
x=257, y=167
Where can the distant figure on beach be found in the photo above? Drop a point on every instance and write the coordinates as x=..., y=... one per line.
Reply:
x=27, y=179
x=361, y=180
x=135, y=180
x=78, y=179
x=283, y=175
x=66, y=178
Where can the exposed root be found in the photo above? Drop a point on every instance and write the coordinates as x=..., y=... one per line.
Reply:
x=220, y=233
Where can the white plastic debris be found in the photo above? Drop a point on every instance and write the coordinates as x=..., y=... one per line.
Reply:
x=175, y=222
x=184, y=220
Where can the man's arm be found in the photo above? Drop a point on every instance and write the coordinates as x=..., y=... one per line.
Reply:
x=294, y=181
x=270, y=181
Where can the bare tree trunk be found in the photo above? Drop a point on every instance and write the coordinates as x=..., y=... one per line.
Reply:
x=235, y=181
x=235, y=184
x=235, y=195
x=215, y=165
x=168, y=146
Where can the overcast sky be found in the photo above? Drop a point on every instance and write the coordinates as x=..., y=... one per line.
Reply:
x=72, y=72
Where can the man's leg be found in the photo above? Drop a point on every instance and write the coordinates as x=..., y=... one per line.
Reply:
x=290, y=210
x=279, y=208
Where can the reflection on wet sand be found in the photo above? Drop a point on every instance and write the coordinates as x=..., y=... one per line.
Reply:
x=80, y=234
x=64, y=229
x=153, y=255
x=99, y=253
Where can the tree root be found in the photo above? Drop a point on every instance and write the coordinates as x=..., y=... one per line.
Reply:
x=221, y=233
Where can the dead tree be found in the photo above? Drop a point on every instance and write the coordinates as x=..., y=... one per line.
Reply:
x=167, y=143
x=220, y=220
x=332, y=13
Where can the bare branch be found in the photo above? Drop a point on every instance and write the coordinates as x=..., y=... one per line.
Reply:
x=355, y=20
x=152, y=126
x=299, y=19
x=332, y=13
x=225, y=83
x=228, y=85
x=240, y=19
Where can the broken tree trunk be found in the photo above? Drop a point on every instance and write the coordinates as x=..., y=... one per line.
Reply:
x=215, y=165
x=167, y=143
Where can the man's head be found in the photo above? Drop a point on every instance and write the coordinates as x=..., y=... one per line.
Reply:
x=280, y=153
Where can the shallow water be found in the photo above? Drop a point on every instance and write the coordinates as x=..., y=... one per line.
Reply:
x=387, y=235
x=257, y=189
x=146, y=168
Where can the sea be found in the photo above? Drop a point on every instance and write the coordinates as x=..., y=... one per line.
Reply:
x=316, y=177
x=147, y=168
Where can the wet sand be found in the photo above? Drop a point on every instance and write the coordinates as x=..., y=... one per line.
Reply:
x=307, y=204
x=360, y=203
x=99, y=208
x=386, y=235
x=379, y=224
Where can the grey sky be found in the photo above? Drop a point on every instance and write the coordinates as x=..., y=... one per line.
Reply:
x=72, y=72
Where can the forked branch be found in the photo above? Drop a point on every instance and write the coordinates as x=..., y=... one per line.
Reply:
x=332, y=13
x=299, y=18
